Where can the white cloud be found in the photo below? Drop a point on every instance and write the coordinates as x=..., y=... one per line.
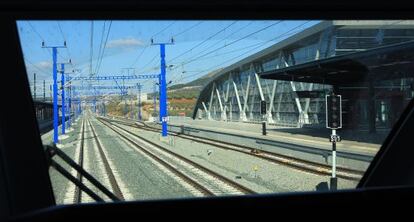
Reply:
x=44, y=65
x=124, y=43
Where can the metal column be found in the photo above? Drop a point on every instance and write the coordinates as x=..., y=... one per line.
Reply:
x=159, y=97
x=62, y=66
x=371, y=107
x=139, y=102
x=155, y=100
x=55, y=97
x=55, y=90
x=334, y=179
x=70, y=105
x=163, y=92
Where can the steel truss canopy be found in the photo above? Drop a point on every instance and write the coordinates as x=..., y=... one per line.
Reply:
x=120, y=77
x=382, y=63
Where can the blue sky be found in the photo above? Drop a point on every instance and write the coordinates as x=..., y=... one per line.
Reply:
x=213, y=44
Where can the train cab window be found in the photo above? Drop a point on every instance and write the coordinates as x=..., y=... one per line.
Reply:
x=162, y=109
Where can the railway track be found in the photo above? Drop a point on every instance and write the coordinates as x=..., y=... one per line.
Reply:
x=81, y=158
x=205, y=181
x=78, y=192
x=293, y=162
x=108, y=170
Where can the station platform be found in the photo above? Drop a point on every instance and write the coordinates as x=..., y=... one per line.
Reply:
x=359, y=142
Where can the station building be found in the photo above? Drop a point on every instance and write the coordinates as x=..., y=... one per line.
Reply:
x=289, y=77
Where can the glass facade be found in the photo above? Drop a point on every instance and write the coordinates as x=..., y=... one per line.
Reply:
x=284, y=107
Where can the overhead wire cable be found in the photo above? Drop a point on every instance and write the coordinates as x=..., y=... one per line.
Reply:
x=260, y=45
x=168, y=26
x=186, y=30
x=246, y=47
x=228, y=36
x=143, y=50
x=40, y=36
x=103, y=49
x=33, y=28
x=204, y=41
x=100, y=46
x=91, y=49
x=231, y=43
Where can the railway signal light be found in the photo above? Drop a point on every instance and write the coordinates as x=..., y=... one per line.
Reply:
x=333, y=111
x=334, y=121
x=263, y=107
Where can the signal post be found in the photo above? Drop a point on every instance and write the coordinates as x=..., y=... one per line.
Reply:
x=263, y=112
x=334, y=122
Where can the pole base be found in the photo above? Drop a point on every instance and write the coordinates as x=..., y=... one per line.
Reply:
x=334, y=183
x=264, y=128
x=68, y=130
x=63, y=137
x=169, y=140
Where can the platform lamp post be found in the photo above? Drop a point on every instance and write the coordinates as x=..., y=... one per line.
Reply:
x=163, y=87
x=55, y=89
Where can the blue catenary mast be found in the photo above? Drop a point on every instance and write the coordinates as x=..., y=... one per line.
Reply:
x=55, y=90
x=163, y=88
x=139, y=102
x=55, y=97
x=62, y=66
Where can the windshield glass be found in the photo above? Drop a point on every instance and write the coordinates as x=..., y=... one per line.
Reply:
x=178, y=109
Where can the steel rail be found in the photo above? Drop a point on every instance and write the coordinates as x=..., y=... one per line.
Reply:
x=292, y=162
x=109, y=172
x=221, y=178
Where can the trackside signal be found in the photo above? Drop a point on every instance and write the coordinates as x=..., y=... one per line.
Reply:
x=333, y=111
x=334, y=122
x=263, y=107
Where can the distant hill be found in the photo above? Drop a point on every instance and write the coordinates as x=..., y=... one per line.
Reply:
x=195, y=84
x=191, y=89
